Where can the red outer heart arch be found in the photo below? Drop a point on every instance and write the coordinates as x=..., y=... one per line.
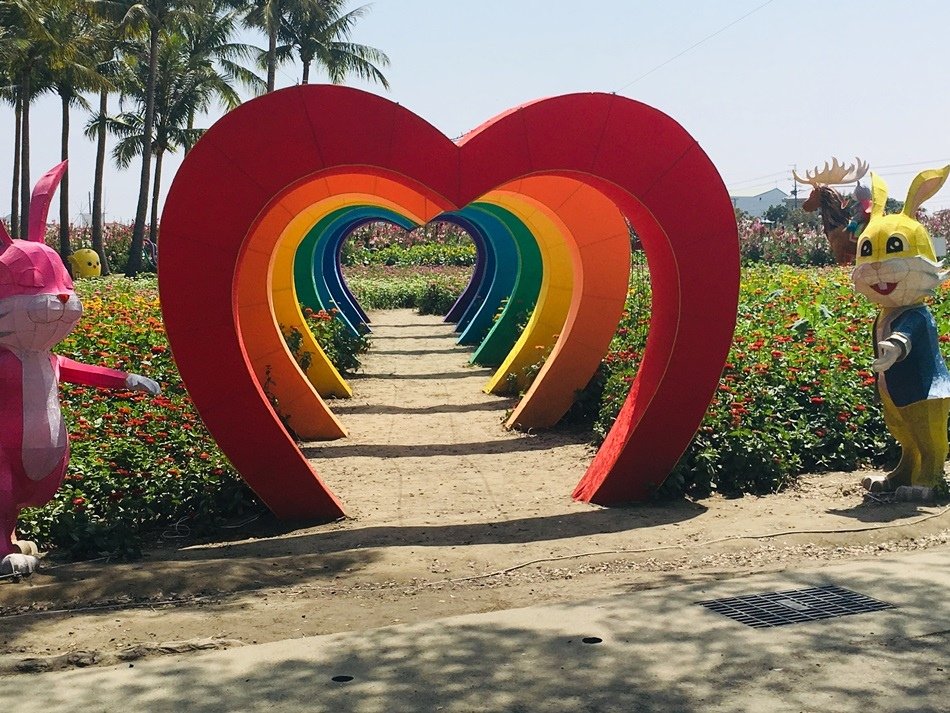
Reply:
x=641, y=159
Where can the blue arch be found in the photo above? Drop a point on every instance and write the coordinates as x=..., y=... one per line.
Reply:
x=498, y=284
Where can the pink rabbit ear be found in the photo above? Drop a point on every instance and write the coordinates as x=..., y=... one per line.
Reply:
x=39, y=202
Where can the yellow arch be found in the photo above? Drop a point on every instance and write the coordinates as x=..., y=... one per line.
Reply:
x=554, y=298
x=321, y=372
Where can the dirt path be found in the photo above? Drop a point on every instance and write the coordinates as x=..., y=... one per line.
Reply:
x=427, y=446
x=449, y=514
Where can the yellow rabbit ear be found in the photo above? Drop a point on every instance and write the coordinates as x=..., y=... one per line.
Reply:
x=923, y=187
x=878, y=195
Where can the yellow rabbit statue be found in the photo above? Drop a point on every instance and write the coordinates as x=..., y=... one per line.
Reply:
x=897, y=269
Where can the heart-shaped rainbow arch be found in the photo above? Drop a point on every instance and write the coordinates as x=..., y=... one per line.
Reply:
x=255, y=216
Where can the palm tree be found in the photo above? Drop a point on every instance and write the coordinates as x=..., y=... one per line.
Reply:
x=196, y=68
x=72, y=70
x=134, y=17
x=209, y=35
x=9, y=92
x=268, y=16
x=265, y=15
x=30, y=43
x=321, y=34
x=105, y=51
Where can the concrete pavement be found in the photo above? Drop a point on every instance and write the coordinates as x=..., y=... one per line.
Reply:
x=657, y=651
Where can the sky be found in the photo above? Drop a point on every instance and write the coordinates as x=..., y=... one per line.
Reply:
x=763, y=85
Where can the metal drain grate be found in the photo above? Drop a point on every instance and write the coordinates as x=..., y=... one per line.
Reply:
x=794, y=606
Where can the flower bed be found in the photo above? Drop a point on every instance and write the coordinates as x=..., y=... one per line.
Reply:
x=139, y=464
x=797, y=394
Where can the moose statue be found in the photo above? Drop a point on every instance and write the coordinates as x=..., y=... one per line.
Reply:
x=842, y=217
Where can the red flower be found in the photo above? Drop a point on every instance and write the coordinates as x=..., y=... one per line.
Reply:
x=817, y=400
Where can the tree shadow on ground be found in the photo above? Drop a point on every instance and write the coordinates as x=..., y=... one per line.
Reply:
x=657, y=651
x=344, y=409
x=437, y=376
x=424, y=450
x=594, y=521
x=379, y=338
x=422, y=352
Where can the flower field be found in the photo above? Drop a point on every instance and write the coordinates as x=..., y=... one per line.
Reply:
x=796, y=396
x=139, y=464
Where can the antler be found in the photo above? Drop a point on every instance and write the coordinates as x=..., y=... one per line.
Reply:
x=836, y=174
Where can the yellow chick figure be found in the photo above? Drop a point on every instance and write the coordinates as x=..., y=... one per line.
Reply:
x=85, y=263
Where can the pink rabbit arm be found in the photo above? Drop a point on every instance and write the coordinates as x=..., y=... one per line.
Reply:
x=102, y=377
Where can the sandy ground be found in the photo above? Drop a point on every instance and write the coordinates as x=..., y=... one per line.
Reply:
x=448, y=514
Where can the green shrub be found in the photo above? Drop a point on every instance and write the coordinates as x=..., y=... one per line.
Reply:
x=342, y=347
x=803, y=245
x=436, y=297
x=431, y=290
x=404, y=256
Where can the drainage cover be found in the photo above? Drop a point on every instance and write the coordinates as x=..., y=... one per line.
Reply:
x=794, y=606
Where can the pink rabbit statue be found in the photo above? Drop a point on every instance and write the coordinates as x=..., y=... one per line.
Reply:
x=38, y=308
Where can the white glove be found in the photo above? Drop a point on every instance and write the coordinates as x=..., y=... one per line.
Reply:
x=888, y=354
x=137, y=382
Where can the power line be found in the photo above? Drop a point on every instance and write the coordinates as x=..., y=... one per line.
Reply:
x=757, y=178
x=932, y=162
x=781, y=174
x=695, y=45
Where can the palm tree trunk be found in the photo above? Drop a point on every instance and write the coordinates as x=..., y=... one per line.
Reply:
x=305, y=79
x=141, y=213
x=97, y=185
x=64, y=247
x=191, y=125
x=14, y=198
x=271, y=59
x=156, y=189
x=25, y=158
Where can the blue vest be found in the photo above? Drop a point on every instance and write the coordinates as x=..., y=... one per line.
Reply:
x=922, y=374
